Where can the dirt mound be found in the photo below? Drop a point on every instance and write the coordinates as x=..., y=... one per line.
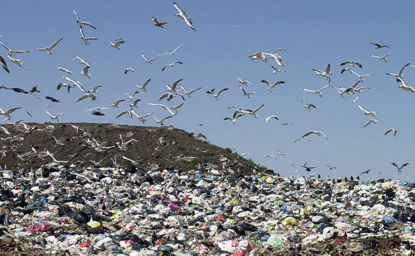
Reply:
x=86, y=144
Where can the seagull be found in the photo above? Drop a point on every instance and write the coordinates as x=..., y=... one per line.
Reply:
x=352, y=63
x=399, y=169
x=308, y=105
x=243, y=82
x=172, y=52
x=54, y=117
x=247, y=94
x=258, y=56
x=219, y=93
x=16, y=61
x=131, y=97
x=370, y=113
x=149, y=61
x=189, y=93
x=12, y=52
x=158, y=24
x=85, y=96
x=144, y=86
x=50, y=48
x=366, y=172
x=405, y=87
x=82, y=61
x=318, y=133
x=325, y=73
x=58, y=141
x=117, y=43
x=400, y=73
x=360, y=77
x=234, y=118
x=84, y=38
x=318, y=92
x=128, y=70
x=125, y=112
x=350, y=90
x=392, y=130
x=307, y=168
x=4, y=64
x=182, y=15
x=331, y=167
x=271, y=156
x=371, y=121
x=84, y=72
x=5, y=130
x=82, y=23
x=142, y=117
x=96, y=109
x=8, y=112
x=176, y=108
x=134, y=162
x=253, y=112
x=276, y=57
x=378, y=46
x=164, y=107
x=65, y=70
x=134, y=104
x=115, y=105
x=276, y=70
x=171, y=65
x=60, y=85
x=54, y=159
x=161, y=122
x=271, y=117
x=383, y=58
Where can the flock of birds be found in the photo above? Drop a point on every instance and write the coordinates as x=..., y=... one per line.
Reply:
x=176, y=89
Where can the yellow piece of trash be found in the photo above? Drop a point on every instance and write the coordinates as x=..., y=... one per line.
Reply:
x=115, y=216
x=234, y=200
x=270, y=180
x=289, y=221
x=94, y=224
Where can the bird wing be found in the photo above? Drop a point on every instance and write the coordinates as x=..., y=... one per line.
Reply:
x=258, y=108
x=4, y=64
x=122, y=113
x=322, y=88
x=402, y=69
x=308, y=90
x=175, y=84
x=388, y=131
x=76, y=14
x=394, y=164
x=146, y=83
x=376, y=44
x=328, y=69
x=55, y=43
x=165, y=118
x=403, y=165
x=364, y=110
x=265, y=82
x=179, y=9
x=222, y=90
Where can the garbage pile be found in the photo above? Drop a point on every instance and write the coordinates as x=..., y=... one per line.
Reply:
x=65, y=210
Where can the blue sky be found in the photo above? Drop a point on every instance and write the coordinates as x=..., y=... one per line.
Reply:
x=315, y=33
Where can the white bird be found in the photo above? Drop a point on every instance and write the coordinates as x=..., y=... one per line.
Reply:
x=125, y=112
x=370, y=113
x=54, y=117
x=142, y=117
x=8, y=112
x=271, y=87
x=247, y=94
x=182, y=15
x=371, y=121
x=318, y=92
x=383, y=58
x=148, y=61
x=128, y=70
x=82, y=61
x=404, y=86
x=276, y=57
x=176, y=108
x=12, y=52
x=243, y=82
x=325, y=73
x=189, y=93
x=161, y=122
x=234, y=118
x=58, y=141
x=308, y=105
x=75, y=83
x=271, y=117
x=15, y=61
x=54, y=159
x=115, y=104
x=84, y=38
x=85, y=72
x=131, y=97
x=399, y=74
x=252, y=112
x=172, y=52
x=65, y=70
x=117, y=43
x=219, y=93
x=144, y=86
x=360, y=77
x=171, y=65
x=5, y=130
x=258, y=56
x=85, y=96
x=50, y=48
x=134, y=162
x=318, y=133
x=82, y=23
x=164, y=107
x=96, y=109
x=271, y=156
x=391, y=130
x=276, y=70
x=134, y=104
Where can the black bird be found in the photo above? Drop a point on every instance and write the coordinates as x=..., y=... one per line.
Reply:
x=97, y=113
x=307, y=168
x=52, y=99
x=399, y=168
x=366, y=172
x=19, y=90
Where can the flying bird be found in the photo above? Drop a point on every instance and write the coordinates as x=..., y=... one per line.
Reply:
x=219, y=93
x=391, y=130
x=371, y=121
x=366, y=172
x=84, y=38
x=97, y=113
x=182, y=15
x=189, y=93
x=243, y=82
x=117, y=43
x=50, y=48
x=399, y=74
x=52, y=99
x=325, y=73
x=307, y=168
x=8, y=112
x=54, y=117
x=318, y=133
x=308, y=106
x=369, y=113
x=115, y=104
x=276, y=70
x=382, y=58
x=247, y=94
x=378, y=46
x=157, y=23
x=128, y=70
x=65, y=70
x=148, y=61
x=4, y=64
x=276, y=57
x=12, y=52
x=82, y=23
x=172, y=52
x=18, y=62
x=352, y=63
x=171, y=65
x=161, y=121
x=404, y=86
x=318, y=92
x=258, y=56
x=34, y=89
x=271, y=117
x=271, y=87
x=399, y=168
x=164, y=107
x=144, y=86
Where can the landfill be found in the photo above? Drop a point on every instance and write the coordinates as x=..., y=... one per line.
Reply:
x=66, y=210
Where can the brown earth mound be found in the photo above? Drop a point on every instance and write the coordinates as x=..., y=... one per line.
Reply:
x=149, y=147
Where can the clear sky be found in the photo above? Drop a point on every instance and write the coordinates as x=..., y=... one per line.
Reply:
x=315, y=33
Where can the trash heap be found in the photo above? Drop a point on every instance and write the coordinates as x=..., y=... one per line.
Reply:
x=65, y=210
